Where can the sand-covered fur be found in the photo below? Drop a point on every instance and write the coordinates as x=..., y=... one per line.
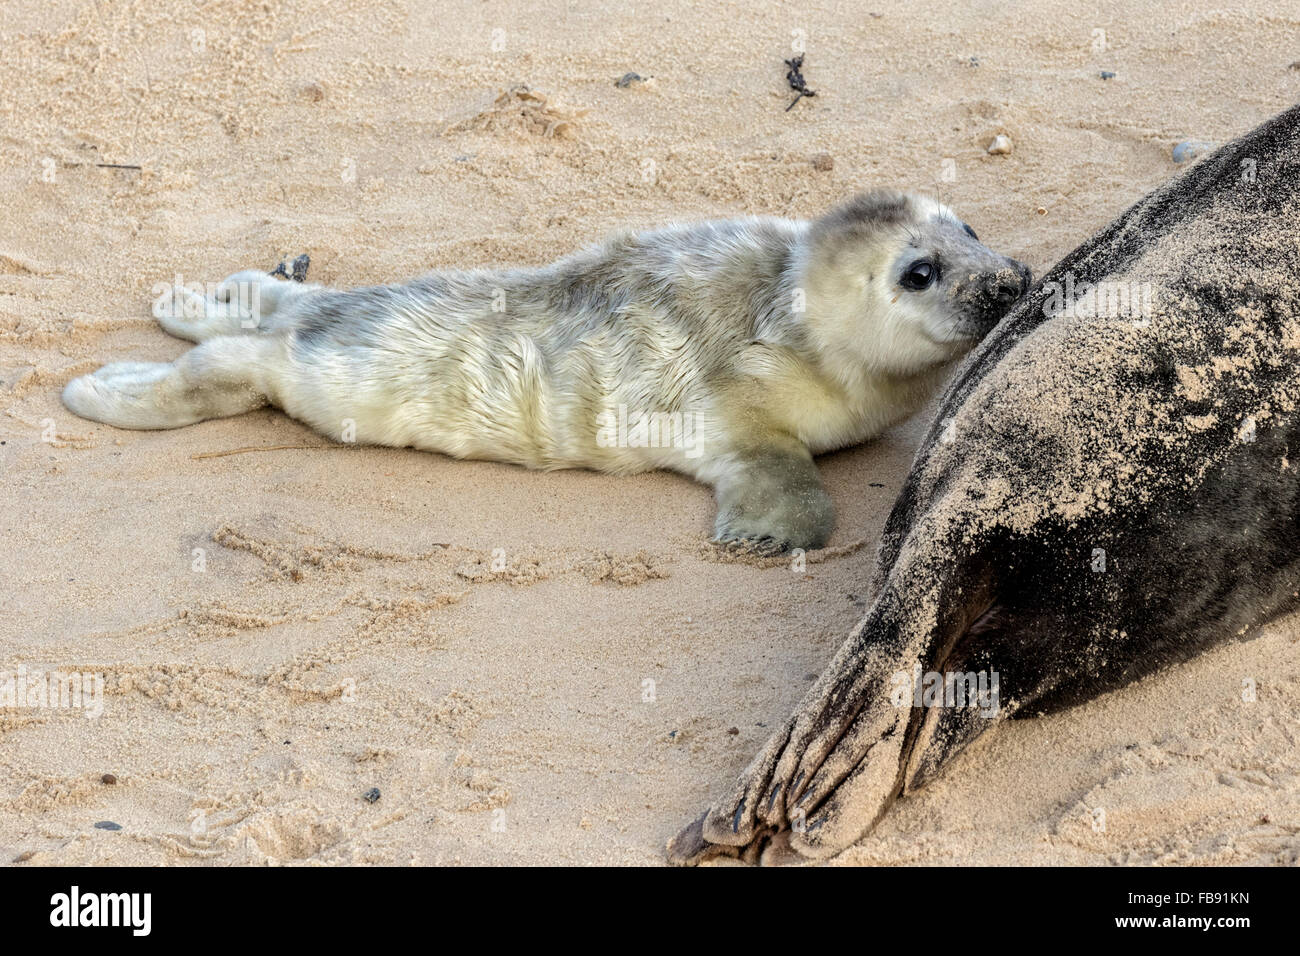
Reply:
x=1106, y=491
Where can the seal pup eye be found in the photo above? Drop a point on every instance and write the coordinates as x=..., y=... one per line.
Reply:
x=970, y=232
x=919, y=275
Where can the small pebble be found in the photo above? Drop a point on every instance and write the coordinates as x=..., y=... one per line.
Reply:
x=371, y=795
x=627, y=79
x=313, y=92
x=733, y=730
x=24, y=856
x=1001, y=145
x=823, y=162
x=108, y=778
x=1294, y=65
x=1041, y=210
x=107, y=825
x=1189, y=149
x=1107, y=75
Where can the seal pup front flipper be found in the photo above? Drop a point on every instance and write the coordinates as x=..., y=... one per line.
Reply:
x=771, y=498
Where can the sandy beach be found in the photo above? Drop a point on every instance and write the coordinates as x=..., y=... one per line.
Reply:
x=332, y=654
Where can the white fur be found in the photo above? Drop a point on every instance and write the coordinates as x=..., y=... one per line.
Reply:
x=524, y=365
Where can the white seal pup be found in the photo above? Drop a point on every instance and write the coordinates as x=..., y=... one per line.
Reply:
x=1108, y=489
x=730, y=351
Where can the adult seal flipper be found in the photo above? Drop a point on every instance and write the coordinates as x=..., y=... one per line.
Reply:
x=1106, y=490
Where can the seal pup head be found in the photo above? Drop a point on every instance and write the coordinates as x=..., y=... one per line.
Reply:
x=896, y=284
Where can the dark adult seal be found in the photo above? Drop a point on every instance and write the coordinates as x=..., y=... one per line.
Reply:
x=1108, y=489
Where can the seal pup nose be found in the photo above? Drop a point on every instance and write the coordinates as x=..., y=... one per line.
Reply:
x=1026, y=276
x=1008, y=292
x=1008, y=285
